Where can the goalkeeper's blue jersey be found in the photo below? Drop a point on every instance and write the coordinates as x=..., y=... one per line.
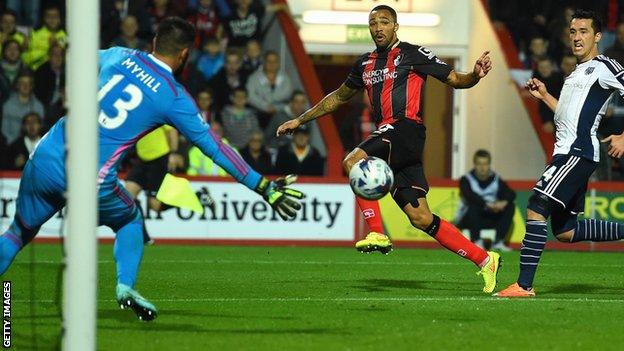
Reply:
x=138, y=93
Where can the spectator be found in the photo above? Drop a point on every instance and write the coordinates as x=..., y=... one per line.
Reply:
x=554, y=81
x=268, y=88
x=204, y=103
x=211, y=60
x=161, y=9
x=8, y=30
x=41, y=39
x=486, y=202
x=561, y=45
x=252, y=60
x=538, y=48
x=358, y=122
x=299, y=157
x=616, y=51
x=21, y=102
x=27, y=11
x=256, y=155
x=227, y=79
x=200, y=164
x=568, y=65
x=113, y=12
x=239, y=121
x=55, y=112
x=22, y=147
x=50, y=77
x=129, y=35
x=10, y=67
x=245, y=22
x=207, y=22
x=297, y=105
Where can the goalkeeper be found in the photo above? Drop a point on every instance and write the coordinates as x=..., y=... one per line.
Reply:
x=138, y=93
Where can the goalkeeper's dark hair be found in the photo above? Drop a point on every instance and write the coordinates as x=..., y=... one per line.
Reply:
x=387, y=8
x=173, y=35
x=589, y=14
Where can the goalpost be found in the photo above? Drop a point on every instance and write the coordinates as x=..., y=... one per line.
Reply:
x=80, y=278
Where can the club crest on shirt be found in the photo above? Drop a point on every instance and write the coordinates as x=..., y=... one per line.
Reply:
x=589, y=70
x=398, y=59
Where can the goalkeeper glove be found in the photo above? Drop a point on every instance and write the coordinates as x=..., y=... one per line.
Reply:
x=282, y=199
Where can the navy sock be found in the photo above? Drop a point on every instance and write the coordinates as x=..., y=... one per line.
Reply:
x=597, y=230
x=128, y=251
x=531, y=251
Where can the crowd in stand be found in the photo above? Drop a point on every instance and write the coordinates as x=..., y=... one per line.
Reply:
x=540, y=30
x=239, y=88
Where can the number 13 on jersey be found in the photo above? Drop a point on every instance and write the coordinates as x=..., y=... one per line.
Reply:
x=122, y=105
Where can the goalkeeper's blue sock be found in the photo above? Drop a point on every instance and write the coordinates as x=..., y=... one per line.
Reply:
x=597, y=230
x=532, y=247
x=128, y=252
x=10, y=244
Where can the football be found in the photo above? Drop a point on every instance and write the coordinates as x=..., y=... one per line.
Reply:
x=371, y=178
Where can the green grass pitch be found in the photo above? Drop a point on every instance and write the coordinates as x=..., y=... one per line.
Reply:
x=293, y=298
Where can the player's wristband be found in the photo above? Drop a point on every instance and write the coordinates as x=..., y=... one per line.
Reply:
x=262, y=186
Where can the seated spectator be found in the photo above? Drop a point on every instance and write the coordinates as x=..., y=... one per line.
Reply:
x=299, y=157
x=616, y=51
x=8, y=30
x=256, y=155
x=227, y=79
x=10, y=67
x=27, y=11
x=112, y=14
x=204, y=103
x=50, y=77
x=206, y=22
x=200, y=164
x=554, y=81
x=567, y=65
x=252, y=59
x=239, y=121
x=41, y=39
x=210, y=60
x=161, y=9
x=22, y=147
x=486, y=202
x=21, y=102
x=55, y=111
x=538, y=49
x=297, y=105
x=268, y=88
x=129, y=35
x=245, y=22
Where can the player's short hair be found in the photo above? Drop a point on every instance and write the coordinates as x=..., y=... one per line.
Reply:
x=482, y=153
x=174, y=35
x=387, y=8
x=589, y=14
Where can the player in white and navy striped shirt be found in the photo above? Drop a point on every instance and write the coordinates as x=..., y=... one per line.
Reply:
x=560, y=192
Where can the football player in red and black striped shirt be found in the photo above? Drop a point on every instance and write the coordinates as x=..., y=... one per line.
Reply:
x=394, y=76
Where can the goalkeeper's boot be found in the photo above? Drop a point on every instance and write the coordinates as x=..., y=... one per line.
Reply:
x=515, y=290
x=129, y=298
x=374, y=242
x=489, y=271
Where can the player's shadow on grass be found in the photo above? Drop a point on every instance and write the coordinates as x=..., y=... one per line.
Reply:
x=583, y=289
x=159, y=326
x=129, y=317
x=384, y=285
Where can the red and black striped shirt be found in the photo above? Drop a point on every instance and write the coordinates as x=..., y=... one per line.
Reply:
x=394, y=80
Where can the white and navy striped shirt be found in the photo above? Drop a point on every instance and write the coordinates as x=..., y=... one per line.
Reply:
x=582, y=104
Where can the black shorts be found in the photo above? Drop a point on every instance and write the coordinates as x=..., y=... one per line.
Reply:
x=401, y=145
x=565, y=182
x=149, y=174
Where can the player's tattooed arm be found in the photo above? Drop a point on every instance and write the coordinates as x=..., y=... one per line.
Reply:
x=328, y=104
x=481, y=68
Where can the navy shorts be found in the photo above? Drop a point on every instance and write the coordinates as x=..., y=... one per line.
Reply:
x=565, y=181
